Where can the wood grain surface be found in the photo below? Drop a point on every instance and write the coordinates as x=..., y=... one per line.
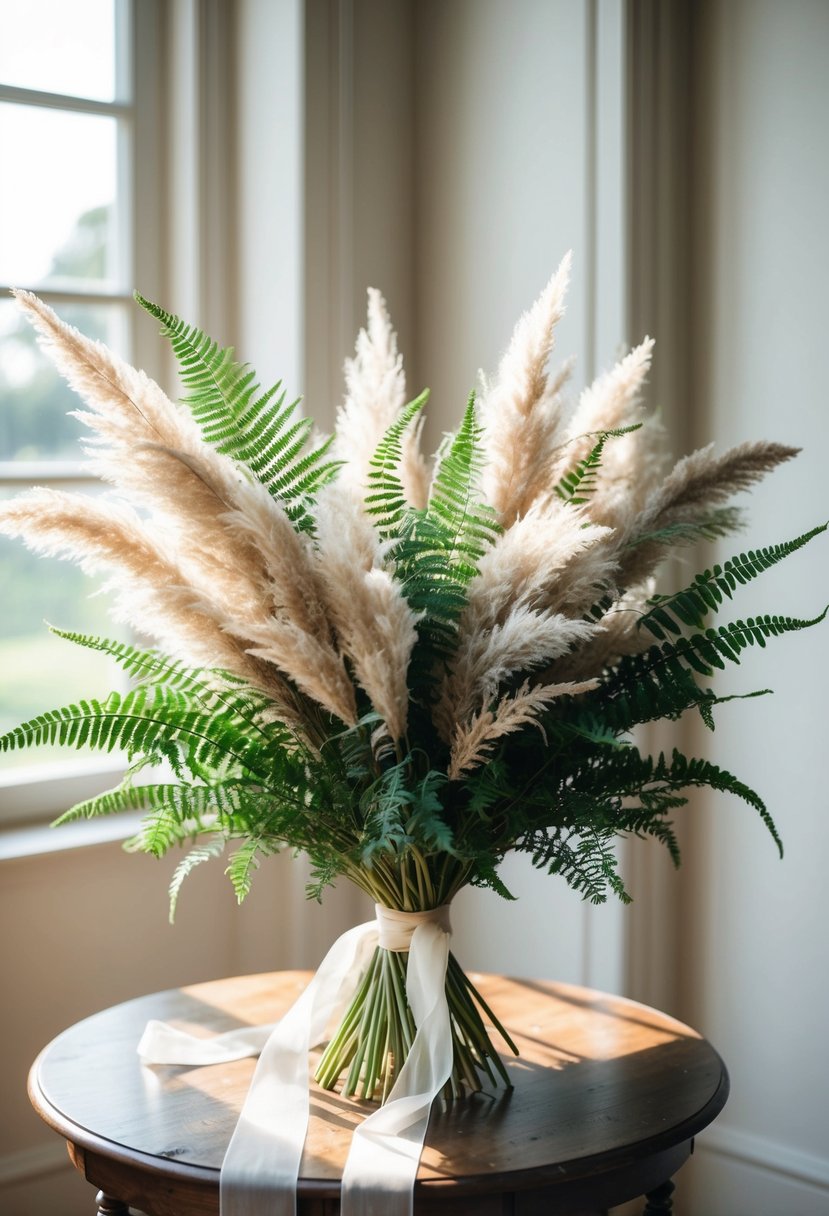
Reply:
x=601, y=1083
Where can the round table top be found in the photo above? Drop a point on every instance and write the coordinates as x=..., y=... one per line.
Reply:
x=600, y=1080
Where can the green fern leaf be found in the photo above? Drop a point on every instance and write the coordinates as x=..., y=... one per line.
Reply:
x=244, y=863
x=208, y=687
x=683, y=773
x=437, y=550
x=196, y=857
x=262, y=432
x=661, y=682
x=579, y=483
x=668, y=614
x=469, y=525
x=149, y=720
x=386, y=499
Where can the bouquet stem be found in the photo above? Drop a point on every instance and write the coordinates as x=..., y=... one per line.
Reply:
x=377, y=1031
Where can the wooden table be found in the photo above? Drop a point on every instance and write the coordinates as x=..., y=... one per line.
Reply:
x=608, y=1097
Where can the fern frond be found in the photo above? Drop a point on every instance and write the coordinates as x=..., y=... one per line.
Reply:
x=386, y=499
x=585, y=858
x=437, y=549
x=260, y=431
x=704, y=651
x=211, y=687
x=188, y=803
x=683, y=773
x=660, y=683
x=470, y=526
x=244, y=863
x=689, y=607
x=150, y=720
x=196, y=857
x=578, y=483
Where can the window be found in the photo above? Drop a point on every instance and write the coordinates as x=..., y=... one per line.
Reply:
x=76, y=142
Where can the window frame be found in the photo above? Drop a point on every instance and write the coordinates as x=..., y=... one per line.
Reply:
x=32, y=794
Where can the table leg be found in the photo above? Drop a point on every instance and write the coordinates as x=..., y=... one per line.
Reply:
x=659, y=1202
x=107, y=1206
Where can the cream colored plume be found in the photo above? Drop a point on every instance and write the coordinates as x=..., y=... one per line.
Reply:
x=472, y=743
x=294, y=630
x=524, y=641
x=703, y=479
x=128, y=407
x=153, y=452
x=312, y=665
x=610, y=402
x=617, y=634
x=697, y=484
x=374, y=624
x=632, y=466
x=153, y=593
x=375, y=396
x=542, y=561
x=521, y=412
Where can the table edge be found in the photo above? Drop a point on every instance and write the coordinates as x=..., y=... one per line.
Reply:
x=540, y=1176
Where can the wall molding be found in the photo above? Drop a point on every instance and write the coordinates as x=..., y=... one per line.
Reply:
x=758, y=1152
x=28, y=1164
x=608, y=322
x=658, y=161
x=329, y=200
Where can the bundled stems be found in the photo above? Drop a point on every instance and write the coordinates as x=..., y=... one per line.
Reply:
x=377, y=1031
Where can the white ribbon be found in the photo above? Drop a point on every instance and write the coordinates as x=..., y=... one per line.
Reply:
x=261, y=1167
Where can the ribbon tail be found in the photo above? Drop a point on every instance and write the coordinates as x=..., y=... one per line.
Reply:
x=261, y=1167
x=381, y=1169
x=163, y=1044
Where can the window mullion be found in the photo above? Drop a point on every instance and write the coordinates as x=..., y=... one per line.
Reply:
x=61, y=101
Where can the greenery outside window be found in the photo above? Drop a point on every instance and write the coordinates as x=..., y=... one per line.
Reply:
x=75, y=146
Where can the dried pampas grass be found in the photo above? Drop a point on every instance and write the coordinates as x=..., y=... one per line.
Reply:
x=217, y=569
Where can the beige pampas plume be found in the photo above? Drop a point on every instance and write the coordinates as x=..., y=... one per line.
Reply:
x=695, y=486
x=153, y=452
x=617, y=634
x=703, y=479
x=521, y=412
x=294, y=630
x=547, y=558
x=313, y=666
x=194, y=508
x=374, y=624
x=472, y=743
x=128, y=406
x=524, y=641
x=610, y=402
x=152, y=591
x=375, y=396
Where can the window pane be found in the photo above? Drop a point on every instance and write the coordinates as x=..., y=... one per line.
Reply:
x=58, y=219
x=34, y=400
x=41, y=671
x=59, y=47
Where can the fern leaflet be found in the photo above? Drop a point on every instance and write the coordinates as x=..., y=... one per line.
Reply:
x=260, y=431
x=689, y=607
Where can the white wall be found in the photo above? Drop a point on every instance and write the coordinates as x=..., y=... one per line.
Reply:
x=753, y=943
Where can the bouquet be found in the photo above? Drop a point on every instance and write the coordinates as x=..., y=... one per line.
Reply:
x=402, y=670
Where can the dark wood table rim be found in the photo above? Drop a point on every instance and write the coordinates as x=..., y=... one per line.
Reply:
x=665, y=1152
